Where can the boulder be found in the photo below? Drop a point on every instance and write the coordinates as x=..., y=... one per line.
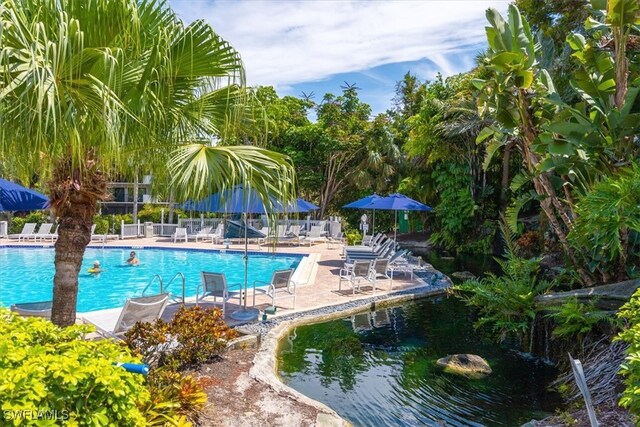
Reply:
x=463, y=275
x=468, y=365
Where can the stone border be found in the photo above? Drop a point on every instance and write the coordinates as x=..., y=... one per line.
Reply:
x=264, y=362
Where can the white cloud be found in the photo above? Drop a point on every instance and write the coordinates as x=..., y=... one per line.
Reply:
x=287, y=42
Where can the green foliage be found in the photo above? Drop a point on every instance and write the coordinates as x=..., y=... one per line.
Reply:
x=179, y=395
x=606, y=229
x=630, y=312
x=45, y=368
x=17, y=222
x=103, y=224
x=574, y=319
x=193, y=336
x=353, y=236
x=506, y=303
x=153, y=213
x=457, y=218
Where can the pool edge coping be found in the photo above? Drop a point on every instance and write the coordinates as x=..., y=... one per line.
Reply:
x=264, y=367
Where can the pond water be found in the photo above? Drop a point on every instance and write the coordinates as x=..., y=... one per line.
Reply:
x=377, y=369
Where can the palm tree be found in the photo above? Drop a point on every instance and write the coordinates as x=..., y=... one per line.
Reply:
x=86, y=86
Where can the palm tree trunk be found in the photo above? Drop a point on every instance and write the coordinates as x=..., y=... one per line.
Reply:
x=73, y=196
x=74, y=234
x=559, y=219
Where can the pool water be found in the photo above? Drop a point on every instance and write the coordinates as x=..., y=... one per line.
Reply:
x=26, y=274
x=378, y=369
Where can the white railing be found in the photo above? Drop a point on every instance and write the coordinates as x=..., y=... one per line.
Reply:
x=4, y=228
x=164, y=230
x=128, y=231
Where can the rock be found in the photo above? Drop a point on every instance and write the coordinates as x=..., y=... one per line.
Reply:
x=468, y=365
x=463, y=275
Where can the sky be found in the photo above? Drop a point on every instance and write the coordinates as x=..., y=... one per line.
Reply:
x=317, y=46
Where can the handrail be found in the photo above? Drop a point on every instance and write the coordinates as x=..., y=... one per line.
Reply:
x=184, y=284
x=151, y=281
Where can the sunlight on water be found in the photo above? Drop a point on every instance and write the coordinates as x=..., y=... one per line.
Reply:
x=26, y=274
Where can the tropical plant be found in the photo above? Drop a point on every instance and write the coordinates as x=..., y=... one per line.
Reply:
x=574, y=319
x=607, y=228
x=78, y=97
x=565, y=148
x=630, y=313
x=193, y=336
x=56, y=372
x=506, y=303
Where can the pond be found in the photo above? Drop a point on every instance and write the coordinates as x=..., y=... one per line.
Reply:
x=377, y=369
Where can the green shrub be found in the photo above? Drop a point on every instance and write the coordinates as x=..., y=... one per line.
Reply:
x=506, y=303
x=184, y=391
x=103, y=224
x=574, y=319
x=353, y=236
x=50, y=370
x=630, y=312
x=193, y=336
x=17, y=223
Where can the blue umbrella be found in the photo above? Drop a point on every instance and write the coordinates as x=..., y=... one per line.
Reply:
x=236, y=200
x=14, y=197
x=300, y=205
x=364, y=204
x=397, y=202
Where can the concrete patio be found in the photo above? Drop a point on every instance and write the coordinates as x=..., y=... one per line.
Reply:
x=318, y=280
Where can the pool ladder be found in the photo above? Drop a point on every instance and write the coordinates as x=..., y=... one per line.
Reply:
x=163, y=287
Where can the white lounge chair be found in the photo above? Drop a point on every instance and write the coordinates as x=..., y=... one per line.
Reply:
x=141, y=309
x=51, y=236
x=316, y=234
x=27, y=231
x=356, y=274
x=215, y=285
x=181, y=233
x=218, y=235
x=204, y=233
x=281, y=284
x=43, y=231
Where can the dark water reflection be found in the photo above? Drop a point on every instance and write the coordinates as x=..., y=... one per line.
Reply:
x=377, y=369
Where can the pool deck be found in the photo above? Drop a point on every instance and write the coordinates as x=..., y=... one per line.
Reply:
x=317, y=279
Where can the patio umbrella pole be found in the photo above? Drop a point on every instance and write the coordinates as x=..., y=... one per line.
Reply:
x=245, y=314
x=395, y=228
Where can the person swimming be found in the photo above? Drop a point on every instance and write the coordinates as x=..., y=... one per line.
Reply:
x=96, y=268
x=133, y=259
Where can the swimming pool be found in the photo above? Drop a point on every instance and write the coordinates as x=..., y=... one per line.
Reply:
x=26, y=274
